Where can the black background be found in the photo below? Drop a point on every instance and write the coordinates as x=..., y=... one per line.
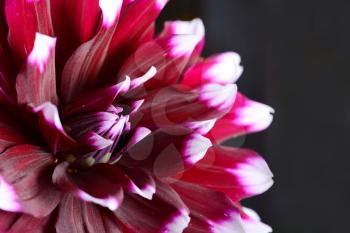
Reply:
x=296, y=56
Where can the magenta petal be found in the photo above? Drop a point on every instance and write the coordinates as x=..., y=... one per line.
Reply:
x=167, y=151
x=140, y=183
x=26, y=169
x=221, y=69
x=246, y=116
x=36, y=84
x=168, y=55
x=51, y=127
x=34, y=16
x=210, y=211
x=162, y=107
x=164, y=213
x=242, y=173
x=82, y=68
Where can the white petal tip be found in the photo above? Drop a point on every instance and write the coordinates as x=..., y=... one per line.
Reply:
x=8, y=197
x=196, y=147
x=183, y=45
x=110, y=11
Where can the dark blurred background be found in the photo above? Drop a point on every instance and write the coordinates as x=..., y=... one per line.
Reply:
x=296, y=56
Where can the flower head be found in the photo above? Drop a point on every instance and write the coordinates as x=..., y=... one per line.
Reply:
x=107, y=127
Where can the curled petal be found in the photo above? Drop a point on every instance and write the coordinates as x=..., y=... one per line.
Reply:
x=36, y=84
x=242, y=173
x=246, y=116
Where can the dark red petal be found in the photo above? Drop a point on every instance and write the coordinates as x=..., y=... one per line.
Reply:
x=36, y=84
x=10, y=131
x=19, y=223
x=210, y=211
x=76, y=216
x=136, y=18
x=246, y=116
x=81, y=70
x=167, y=151
x=162, y=107
x=242, y=173
x=168, y=55
x=98, y=100
x=100, y=184
x=26, y=169
x=34, y=16
x=140, y=182
x=51, y=127
x=164, y=213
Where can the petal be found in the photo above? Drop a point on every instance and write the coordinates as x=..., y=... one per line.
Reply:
x=51, y=127
x=194, y=27
x=100, y=184
x=252, y=223
x=221, y=69
x=98, y=100
x=36, y=84
x=210, y=211
x=11, y=131
x=242, y=173
x=19, y=223
x=81, y=74
x=168, y=55
x=162, y=107
x=246, y=116
x=164, y=213
x=34, y=16
x=167, y=151
x=83, y=217
x=26, y=170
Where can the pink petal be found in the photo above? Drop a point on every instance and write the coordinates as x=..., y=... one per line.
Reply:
x=168, y=55
x=221, y=69
x=167, y=151
x=26, y=169
x=162, y=107
x=242, y=173
x=36, y=84
x=34, y=16
x=80, y=74
x=246, y=116
x=164, y=213
x=210, y=211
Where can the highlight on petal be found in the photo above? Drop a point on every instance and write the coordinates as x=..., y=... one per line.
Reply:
x=109, y=202
x=42, y=50
x=252, y=223
x=110, y=11
x=8, y=197
x=222, y=69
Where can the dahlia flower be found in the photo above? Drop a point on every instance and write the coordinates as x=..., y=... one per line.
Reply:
x=107, y=127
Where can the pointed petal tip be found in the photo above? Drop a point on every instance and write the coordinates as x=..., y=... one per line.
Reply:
x=252, y=222
x=43, y=46
x=112, y=203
